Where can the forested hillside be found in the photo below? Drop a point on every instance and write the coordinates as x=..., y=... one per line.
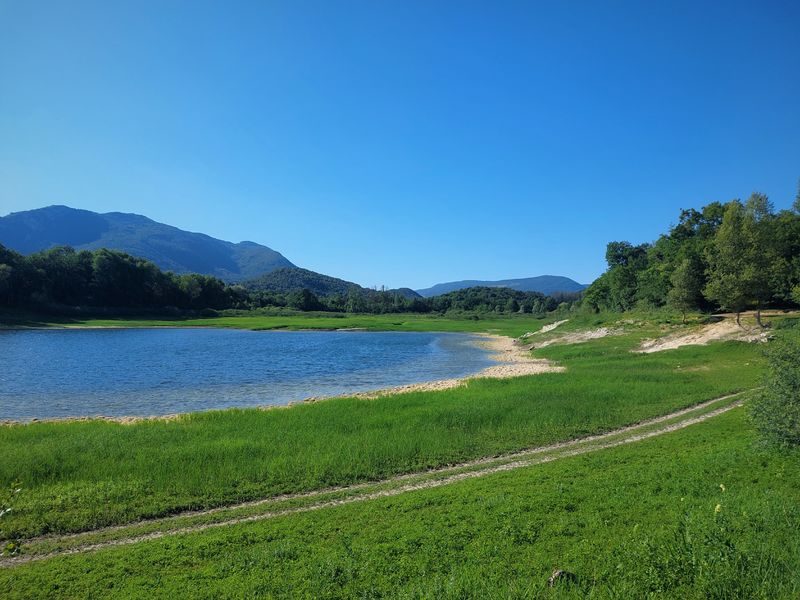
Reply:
x=63, y=279
x=544, y=284
x=170, y=248
x=730, y=256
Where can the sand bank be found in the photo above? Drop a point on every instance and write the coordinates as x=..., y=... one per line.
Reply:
x=514, y=360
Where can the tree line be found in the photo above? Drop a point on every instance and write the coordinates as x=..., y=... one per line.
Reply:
x=733, y=257
x=470, y=300
x=61, y=278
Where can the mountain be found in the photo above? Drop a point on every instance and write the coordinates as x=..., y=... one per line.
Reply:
x=294, y=278
x=544, y=284
x=407, y=293
x=290, y=279
x=169, y=247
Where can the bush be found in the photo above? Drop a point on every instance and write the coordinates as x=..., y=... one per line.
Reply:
x=776, y=409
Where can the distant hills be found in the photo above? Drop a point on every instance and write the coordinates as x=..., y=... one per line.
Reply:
x=544, y=284
x=168, y=247
x=294, y=278
x=255, y=266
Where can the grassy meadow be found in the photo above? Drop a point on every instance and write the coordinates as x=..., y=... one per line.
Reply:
x=703, y=512
x=699, y=513
x=83, y=475
x=511, y=325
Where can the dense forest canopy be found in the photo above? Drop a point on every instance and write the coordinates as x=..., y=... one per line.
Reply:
x=730, y=256
x=62, y=276
x=292, y=279
x=59, y=278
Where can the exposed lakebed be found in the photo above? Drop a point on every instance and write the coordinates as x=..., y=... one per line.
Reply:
x=140, y=372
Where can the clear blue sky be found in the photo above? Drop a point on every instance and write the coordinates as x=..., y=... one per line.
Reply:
x=402, y=143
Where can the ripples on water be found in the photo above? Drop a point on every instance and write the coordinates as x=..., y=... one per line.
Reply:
x=116, y=372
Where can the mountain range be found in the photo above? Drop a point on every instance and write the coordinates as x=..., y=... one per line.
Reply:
x=172, y=249
x=292, y=279
x=544, y=284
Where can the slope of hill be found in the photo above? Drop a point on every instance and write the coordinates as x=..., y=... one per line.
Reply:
x=544, y=284
x=169, y=247
x=291, y=279
x=405, y=293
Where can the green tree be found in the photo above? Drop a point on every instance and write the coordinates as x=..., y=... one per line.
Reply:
x=304, y=300
x=727, y=276
x=796, y=205
x=686, y=289
x=355, y=302
x=6, y=284
x=625, y=261
x=796, y=294
x=758, y=232
x=597, y=296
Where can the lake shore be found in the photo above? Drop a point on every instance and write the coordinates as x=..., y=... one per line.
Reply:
x=512, y=358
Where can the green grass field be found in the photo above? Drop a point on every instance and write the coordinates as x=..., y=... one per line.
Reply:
x=631, y=522
x=84, y=475
x=512, y=325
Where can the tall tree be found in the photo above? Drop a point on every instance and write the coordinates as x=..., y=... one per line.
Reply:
x=625, y=262
x=759, y=215
x=727, y=275
x=796, y=205
x=687, y=282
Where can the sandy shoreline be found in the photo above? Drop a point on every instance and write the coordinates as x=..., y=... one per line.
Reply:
x=513, y=360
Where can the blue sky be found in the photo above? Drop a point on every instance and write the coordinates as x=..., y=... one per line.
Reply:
x=402, y=143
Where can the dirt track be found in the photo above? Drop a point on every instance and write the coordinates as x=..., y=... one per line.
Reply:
x=435, y=478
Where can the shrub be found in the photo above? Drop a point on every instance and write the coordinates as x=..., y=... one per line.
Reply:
x=776, y=409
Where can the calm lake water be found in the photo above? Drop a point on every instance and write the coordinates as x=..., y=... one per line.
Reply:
x=117, y=372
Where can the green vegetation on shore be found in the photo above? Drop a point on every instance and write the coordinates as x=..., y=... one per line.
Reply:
x=62, y=281
x=511, y=325
x=729, y=256
x=693, y=514
x=80, y=475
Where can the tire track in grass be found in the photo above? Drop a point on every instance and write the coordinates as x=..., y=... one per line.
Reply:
x=429, y=479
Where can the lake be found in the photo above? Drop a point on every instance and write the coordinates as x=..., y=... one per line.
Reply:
x=139, y=372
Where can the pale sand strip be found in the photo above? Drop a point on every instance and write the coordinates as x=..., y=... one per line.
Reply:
x=514, y=360
x=726, y=329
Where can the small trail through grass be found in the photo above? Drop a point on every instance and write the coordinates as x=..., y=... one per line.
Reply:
x=44, y=547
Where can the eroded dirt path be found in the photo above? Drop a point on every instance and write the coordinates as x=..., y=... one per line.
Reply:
x=394, y=486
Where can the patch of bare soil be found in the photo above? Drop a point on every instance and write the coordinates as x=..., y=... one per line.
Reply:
x=578, y=337
x=726, y=329
x=545, y=329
